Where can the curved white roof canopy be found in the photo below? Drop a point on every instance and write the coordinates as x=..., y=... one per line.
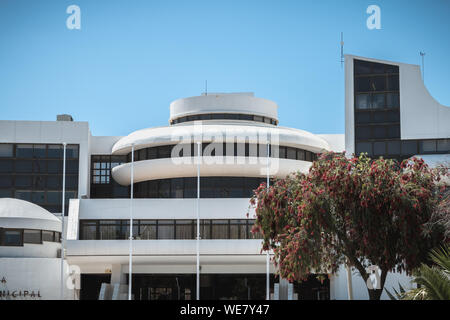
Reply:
x=244, y=103
x=15, y=213
x=209, y=167
x=208, y=132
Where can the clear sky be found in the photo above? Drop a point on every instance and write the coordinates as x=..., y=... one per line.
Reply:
x=131, y=58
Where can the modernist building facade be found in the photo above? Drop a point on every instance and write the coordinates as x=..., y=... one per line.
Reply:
x=231, y=143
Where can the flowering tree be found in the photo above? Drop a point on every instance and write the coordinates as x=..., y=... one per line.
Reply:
x=357, y=211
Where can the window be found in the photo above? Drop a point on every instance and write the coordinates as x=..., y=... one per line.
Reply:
x=427, y=146
x=6, y=166
x=393, y=83
x=291, y=153
x=378, y=101
x=394, y=147
x=110, y=230
x=443, y=145
x=166, y=229
x=24, y=151
x=363, y=133
x=12, y=237
x=392, y=100
x=6, y=181
x=220, y=229
x=409, y=147
x=40, y=151
x=6, y=150
x=32, y=236
x=48, y=236
x=364, y=147
x=362, y=67
x=378, y=83
x=147, y=229
x=184, y=229
x=363, y=101
x=88, y=230
x=55, y=151
x=379, y=148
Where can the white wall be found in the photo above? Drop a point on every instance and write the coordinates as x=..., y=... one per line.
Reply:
x=37, y=274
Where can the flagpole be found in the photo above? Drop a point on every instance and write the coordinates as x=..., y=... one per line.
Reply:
x=199, y=145
x=62, y=220
x=130, y=264
x=267, y=252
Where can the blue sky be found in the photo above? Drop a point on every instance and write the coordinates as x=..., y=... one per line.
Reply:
x=132, y=58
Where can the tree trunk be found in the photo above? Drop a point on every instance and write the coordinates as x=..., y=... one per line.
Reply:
x=375, y=294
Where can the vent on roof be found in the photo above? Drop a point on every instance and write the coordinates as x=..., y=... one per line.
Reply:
x=64, y=117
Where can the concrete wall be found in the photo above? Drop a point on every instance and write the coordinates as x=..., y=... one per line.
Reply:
x=33, y=274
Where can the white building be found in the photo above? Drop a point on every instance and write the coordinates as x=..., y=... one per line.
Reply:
x=234, y=131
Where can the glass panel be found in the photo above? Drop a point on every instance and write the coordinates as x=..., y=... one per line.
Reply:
x=164, y=188
x=24, y=151
x=364, y=147
x=377, y=68
x=23, y=181
x=184, y=229
x=32, y=236
x=301, y=154
x=6, y=181
x=362, y=133
x=39, y=151
x=23, y=195
x=392, y=100
x=88, y=231
x=362, y=84
x=72, y=166
x=378, y=83
x=12, y=238
x=362, y=117
x=54, y=197
x=47, y=236
x=393, y=132
x=379, y=132
x=54, y=182
x=166, y=229
x=177, y=188
x=6, y=193
x=362, y=101
x=25, y=166
x=6, y=165
x=54, y=166
x=72, y=152
x=409, y=147
x=362, y=67
x=394, y=147
x=147, y=230
x=220, y=229
x=443, y=145
x=291, y=153
x=393, y=83
x=378, y=101
x=110, y=230
x=379, y=148
x=6, y=150
x=39, y=166
x=38, y=197
x=427, y=146
x=55, y=151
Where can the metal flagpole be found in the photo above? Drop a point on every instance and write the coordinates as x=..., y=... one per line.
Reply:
x=62, y=220
x=267, y=253
x=199, y=145
x=130, y=264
